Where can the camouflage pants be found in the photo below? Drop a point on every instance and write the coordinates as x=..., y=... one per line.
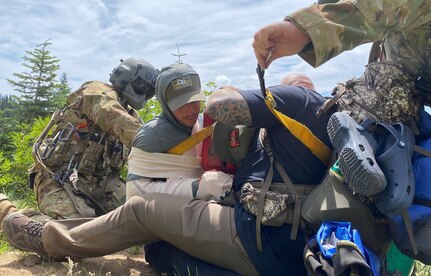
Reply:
x=60, y=202
x=55, y=201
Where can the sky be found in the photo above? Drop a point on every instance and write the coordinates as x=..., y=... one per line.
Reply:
x=215, y=37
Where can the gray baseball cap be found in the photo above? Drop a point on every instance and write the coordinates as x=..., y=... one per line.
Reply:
x=178, y=84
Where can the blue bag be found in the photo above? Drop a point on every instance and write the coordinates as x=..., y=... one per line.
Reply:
x=330, y=232
x=420, y=210
x=337, y=249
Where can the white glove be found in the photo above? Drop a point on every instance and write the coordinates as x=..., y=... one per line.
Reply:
x=214, y=185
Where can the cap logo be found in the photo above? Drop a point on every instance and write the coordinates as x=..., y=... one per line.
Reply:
x=234, y=138
x=181, y=83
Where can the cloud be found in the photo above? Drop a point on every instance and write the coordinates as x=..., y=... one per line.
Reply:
x=90, y=38
x=222, y=80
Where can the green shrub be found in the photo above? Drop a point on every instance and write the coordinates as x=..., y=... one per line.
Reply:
x=13, y=170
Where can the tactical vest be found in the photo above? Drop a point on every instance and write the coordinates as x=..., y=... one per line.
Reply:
x=82, y=158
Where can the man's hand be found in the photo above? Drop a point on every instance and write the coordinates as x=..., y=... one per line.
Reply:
x=283, y=39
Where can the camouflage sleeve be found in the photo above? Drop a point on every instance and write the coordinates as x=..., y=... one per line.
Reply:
x=334, y=28
x=100, y=104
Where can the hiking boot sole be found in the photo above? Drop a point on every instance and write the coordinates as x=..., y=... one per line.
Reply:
x=356, y=155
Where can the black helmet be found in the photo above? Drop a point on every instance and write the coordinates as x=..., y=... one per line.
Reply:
x=134, y=79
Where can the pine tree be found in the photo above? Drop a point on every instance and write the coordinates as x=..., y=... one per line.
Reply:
x=63, y=89
x=8, y=124
x=37, y=87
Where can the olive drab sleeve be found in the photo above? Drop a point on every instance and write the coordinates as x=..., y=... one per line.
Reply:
x=334, y=28
x=100, y=103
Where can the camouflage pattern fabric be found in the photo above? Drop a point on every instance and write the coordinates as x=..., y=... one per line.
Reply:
x=54, y=201
x=37, y=215
x=84, y=153
x=404, y=25
x=384, y=92
x=101, y=106
x=275, y=204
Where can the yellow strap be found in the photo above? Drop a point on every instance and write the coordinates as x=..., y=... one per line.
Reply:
x=300, y=131
x=192, y=141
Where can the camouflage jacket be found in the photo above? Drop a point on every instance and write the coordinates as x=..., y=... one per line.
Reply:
x=92, y=134
x=100, y=105
x=404, y=25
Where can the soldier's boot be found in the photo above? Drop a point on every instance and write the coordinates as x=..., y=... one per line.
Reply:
x=6, y=207
x=24, y=233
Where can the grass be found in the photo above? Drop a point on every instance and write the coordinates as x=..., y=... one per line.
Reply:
x=4, y=245
x=189, y=273
x=73, y=269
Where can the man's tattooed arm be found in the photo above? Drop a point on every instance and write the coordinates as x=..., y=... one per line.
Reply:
x=228, y=106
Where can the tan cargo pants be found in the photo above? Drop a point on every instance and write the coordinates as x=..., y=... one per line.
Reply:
x=204, y=230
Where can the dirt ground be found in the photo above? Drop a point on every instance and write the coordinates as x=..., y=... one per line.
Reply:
x=122, y=263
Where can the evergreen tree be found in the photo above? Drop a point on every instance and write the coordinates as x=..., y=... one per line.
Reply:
x=38, y=86
x=63, y=89
x=3, y=102
x=8, y=124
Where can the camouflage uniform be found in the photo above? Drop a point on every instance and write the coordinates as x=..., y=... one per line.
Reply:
x=403, y=26
x=79, y=156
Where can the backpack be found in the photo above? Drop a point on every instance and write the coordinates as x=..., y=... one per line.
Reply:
x=420, y=211
x=331, y=200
